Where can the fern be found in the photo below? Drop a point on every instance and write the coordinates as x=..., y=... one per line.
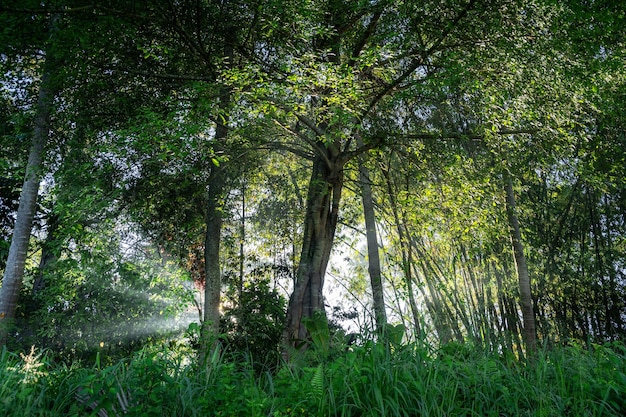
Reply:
x=317, y=381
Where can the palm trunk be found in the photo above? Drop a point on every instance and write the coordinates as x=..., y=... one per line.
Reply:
x=14, y=271
x=528, y=315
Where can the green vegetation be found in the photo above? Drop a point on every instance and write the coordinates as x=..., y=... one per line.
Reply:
x=312, y=207
x=368, y=380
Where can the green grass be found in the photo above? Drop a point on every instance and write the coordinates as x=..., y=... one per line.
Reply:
x=366, y=381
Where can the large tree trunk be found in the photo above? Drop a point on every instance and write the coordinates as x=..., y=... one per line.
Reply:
x=373, y=257
x=526, y=301
x=14, y=271
x=320, y=223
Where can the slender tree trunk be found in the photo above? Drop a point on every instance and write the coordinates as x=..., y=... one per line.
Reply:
x=373, y=257
x=320, y=224
x=301, y=205
x=528, y=315
x=617, y=305
x=506, y=331
x=215, y=205
x=513, y=323
x=407, y=255
x=436, y=308
x=242, y=242
x=14, y=271
x=49, y=254
x=212, y=265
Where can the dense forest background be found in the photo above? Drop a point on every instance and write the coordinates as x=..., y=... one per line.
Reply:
x=312, y=208
x=445, y=171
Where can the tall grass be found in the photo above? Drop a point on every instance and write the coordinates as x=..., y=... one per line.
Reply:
x=412, y=381
x=371, y=380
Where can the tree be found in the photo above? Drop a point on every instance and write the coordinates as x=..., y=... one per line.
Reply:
x=521, y=267
x=347, y=72
x=14, y=270
x=373, y=257
x=13, y=157
x=179, y=107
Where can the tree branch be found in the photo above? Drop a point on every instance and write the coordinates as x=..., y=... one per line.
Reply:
x=287, y=147
x=367, y=34
x=302, y=136
x=48, y=11
x=420, y=58
x=162, y=76
x=373, y=143
x=472, y=136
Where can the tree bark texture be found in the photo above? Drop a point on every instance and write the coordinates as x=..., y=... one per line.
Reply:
x=14, y=271
x=213, y=283
x=212, y=264
x=322, y=207
x=526, y=301
x=214, y=210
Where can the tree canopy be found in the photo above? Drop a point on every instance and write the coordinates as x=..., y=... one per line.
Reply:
x=207, y=159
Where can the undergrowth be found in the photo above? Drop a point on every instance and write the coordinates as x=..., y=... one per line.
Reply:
x=369, y=380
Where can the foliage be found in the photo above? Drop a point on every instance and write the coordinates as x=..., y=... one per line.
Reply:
x=253, y=324
x=364, y=381
x=100, y=298
x=451, y=95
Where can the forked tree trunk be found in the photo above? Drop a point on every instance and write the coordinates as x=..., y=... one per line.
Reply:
x=320, y=224
x=526, y=301
x=14, y=271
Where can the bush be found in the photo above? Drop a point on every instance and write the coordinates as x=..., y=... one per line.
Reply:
x=253, y=327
